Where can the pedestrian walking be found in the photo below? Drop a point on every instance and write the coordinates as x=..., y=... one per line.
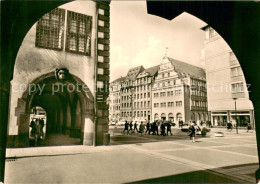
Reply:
x=135, y=127
x=141, y=128
x=156, y=129
x=131, y=127
x=192, y=132
x=229, y=126
x=148, y=127
x=126, y=128
x=163, y=129
x=169, y=125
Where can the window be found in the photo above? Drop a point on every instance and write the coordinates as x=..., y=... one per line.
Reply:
x=148, y=95
x=148, y=103
x=236, y=71
x=144, y=95
x=156, y=95
x=145, y=104
x=78, y=33
x=237, y=87
x=50, y=30
x=156, y=105
x=170, y=104
x=163, y=104
x=177, y=92
x=141, y=96
x=178, y=103
x=162, y=94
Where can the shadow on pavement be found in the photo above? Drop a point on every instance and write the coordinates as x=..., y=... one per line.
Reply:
x=209, y=176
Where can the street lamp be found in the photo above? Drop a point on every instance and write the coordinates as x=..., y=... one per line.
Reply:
x=236, y=113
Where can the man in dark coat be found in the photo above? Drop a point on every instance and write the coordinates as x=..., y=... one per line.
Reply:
x=135, y=127
x=126, y=127
x=163, y=129
x=41, y=122
x=192, y=132
x=148, y=128
x=131, y=127
x=155, y=128
x=169, y=125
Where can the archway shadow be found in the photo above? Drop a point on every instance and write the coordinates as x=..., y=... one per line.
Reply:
x=216, y=175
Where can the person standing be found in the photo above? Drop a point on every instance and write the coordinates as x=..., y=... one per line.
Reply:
x=192, y=132
x=141, y=128
x=156, y=129
x=163, y=129
x=126, y=128
x=248, y=126
x=41, y=122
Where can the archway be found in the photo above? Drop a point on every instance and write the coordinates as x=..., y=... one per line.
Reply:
x=156, y=116
x=69, y=105
x=245, y=46
x=170, y=117
x=163, y=116
x=178, y=117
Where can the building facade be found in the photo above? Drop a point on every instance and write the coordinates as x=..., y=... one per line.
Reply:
x=128, y=92
x=114, y=99
x=179, y=92
x=142, y=101
x=227, y=89
x=59, y=68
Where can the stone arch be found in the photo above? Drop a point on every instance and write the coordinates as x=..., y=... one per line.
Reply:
x=84, y=101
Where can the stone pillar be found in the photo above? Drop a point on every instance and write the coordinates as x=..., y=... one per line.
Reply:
x=88, y=131
x=228, y=116
x=102, y=72
x=252, y=118
x=22, y=139
x=4, y=107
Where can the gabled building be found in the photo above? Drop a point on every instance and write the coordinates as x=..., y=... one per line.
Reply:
x=142, y=100
x=179, y=92
x=127, y=92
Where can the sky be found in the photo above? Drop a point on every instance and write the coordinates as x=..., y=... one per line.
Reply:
x=137, y=38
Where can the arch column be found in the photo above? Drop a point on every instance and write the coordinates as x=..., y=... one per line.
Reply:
x=88, y=130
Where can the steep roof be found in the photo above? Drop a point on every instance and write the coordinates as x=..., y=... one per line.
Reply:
x=184, y=68
x=133, y=72
x=120, y=79
x=152, y=70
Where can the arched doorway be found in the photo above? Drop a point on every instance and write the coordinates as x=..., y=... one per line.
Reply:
x=69, y=110
x=156, y=116
x=178, y=117
x=163, y=116
x=170, y=117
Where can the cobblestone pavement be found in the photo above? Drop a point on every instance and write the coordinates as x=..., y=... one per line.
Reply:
x=141, y=159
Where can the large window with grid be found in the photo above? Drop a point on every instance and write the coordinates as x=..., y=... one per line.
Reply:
x=78, y=33
x=50, y=30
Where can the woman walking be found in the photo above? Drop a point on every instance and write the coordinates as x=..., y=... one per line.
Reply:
x=141, y=128
x=192, y=133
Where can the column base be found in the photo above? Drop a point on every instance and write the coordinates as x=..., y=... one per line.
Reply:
x=88, y=138
x=257, y=175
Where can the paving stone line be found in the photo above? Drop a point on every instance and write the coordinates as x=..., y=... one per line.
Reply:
x=193, y=164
